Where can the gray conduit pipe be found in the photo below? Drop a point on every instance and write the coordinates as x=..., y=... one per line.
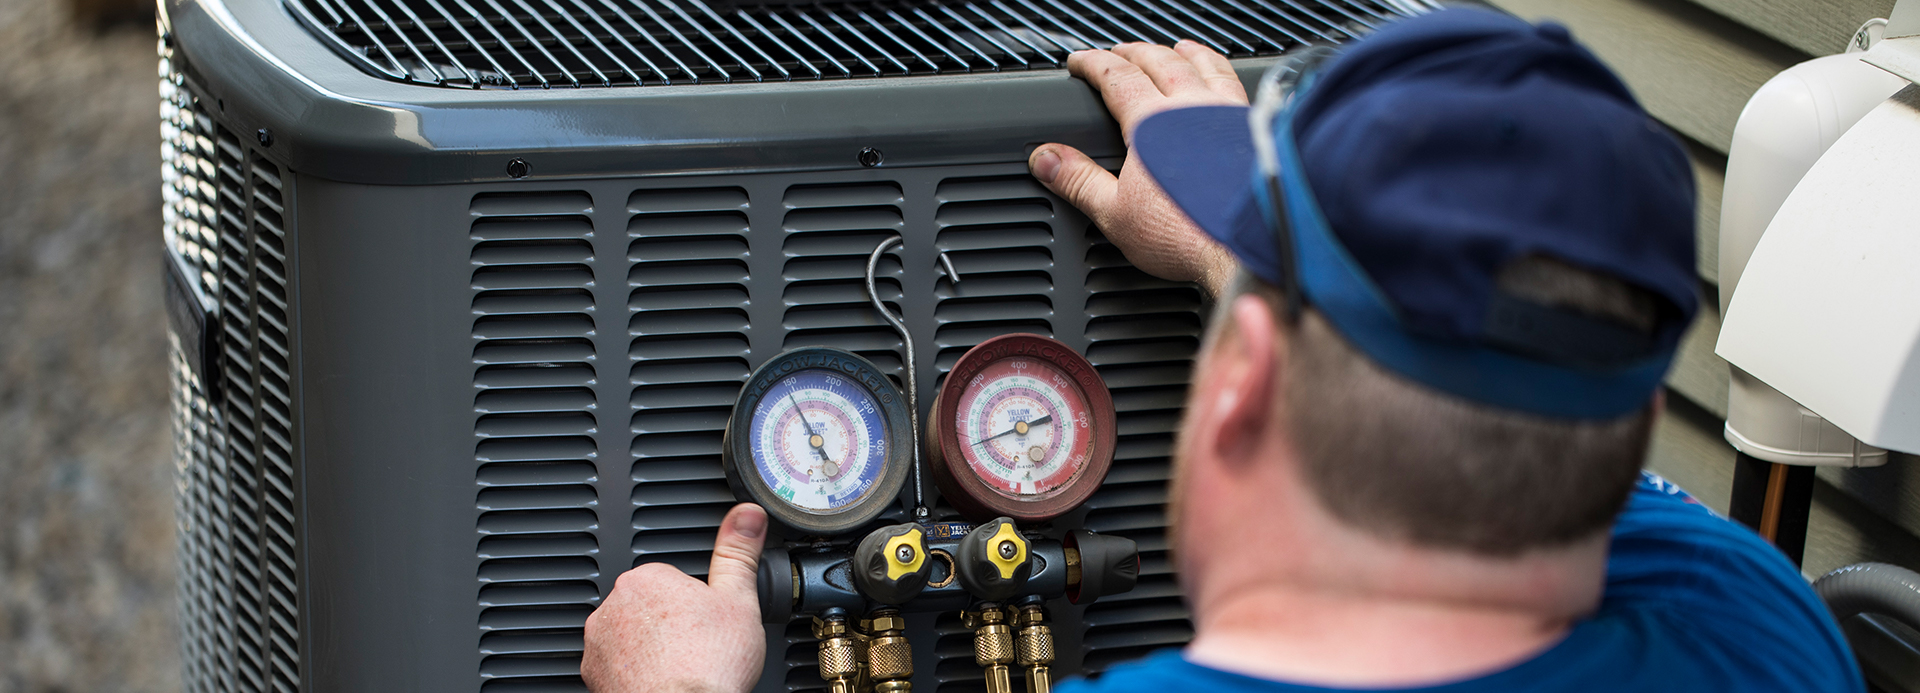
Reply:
x=1871, y=588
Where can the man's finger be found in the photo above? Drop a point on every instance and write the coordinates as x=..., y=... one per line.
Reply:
x=736, y=551
x=1214, y=68
x=1121, y=84
x=1076, y=179
x=1171, y=73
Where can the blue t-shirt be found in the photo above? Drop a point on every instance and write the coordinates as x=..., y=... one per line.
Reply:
x=1693, y=603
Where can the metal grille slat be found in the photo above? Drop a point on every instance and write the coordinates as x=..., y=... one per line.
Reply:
x=782, y=44
x=723, y=46
x=683, y=40
x=583, y=43
x=623, y=41
x=1043, y=14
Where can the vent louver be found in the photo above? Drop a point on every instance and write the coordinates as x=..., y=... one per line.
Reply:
x=687, y=252
x=1142, y=333
x=830, y=232
x=536, y=479
x=998, y=234
x=236, y=490
x=606, y=43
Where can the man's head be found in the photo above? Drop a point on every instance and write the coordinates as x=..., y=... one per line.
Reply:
x=1494, y=249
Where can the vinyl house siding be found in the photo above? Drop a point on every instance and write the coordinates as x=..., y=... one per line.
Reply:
x=1694, y=63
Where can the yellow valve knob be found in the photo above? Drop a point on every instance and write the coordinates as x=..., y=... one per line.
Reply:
x=890, y=565
x=994, y=562
x=1007, y=550
x=905, y=553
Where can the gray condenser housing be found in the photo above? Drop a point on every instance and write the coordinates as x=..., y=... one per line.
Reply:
x=461, y=293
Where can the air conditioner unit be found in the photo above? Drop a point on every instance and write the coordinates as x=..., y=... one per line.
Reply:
x=461, y=292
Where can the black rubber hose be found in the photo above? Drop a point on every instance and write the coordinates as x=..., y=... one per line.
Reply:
x=1871, y=588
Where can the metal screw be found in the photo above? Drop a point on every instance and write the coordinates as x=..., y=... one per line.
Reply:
x=266, y=137
x=1008, y=550
x=518, y=168
x=870, y=157
x=904, y=554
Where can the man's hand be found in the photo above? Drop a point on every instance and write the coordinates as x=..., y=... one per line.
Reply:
x=1138, y=80
x=661, y=630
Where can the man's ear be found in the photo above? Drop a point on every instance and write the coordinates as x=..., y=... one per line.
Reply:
x=1241, y=386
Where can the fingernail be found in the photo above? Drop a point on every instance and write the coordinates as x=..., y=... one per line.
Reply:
x=750, y=524
x=1046, y=166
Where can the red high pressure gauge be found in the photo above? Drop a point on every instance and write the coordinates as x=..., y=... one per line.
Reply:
x=1023, y=428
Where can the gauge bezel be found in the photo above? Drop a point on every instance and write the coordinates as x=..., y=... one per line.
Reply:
x=963, y=488
x=737, y=447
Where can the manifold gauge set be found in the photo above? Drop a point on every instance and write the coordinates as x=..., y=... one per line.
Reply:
x=1022, y=432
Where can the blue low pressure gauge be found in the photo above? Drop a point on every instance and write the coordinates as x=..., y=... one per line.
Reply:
x=821, y=439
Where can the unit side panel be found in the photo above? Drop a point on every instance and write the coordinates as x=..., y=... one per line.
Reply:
x=387, y=320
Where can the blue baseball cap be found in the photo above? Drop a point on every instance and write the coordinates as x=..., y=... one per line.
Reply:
x=1423, y=160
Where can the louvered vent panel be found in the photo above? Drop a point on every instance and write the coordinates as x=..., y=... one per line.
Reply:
x=195, y=442
x=997, y=232
x=802, y=660
x=687, y=316
x=830, y=231
x=189, y=214
x=236, y=491
x=240, y=407
x=188, y=228
x=1142, y=334
x=535, y=425
x=956, y=671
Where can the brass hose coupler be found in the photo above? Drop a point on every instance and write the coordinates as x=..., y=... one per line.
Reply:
x=992, y=645
x=1035, y=646
x=839, y=653
x=889, y=655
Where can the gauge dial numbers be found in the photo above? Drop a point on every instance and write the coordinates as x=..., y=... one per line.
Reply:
x=820, y=439
x=1023, y=428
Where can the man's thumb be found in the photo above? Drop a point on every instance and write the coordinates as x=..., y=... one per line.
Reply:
x=1075, y=178
x=736, y=551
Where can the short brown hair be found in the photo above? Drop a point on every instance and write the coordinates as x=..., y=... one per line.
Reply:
x=1404, y=461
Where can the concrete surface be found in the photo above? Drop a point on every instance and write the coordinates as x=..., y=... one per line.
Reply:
x=86, y=504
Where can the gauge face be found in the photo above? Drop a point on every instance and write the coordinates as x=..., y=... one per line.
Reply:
x=821, y=439
x=818, y=440
x=1023, y=427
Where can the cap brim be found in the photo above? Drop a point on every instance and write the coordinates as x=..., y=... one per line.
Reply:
x=1203, y=157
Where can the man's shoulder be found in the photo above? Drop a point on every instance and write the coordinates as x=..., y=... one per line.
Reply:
x=1716, y=594
x=1693, y=602
x=1166, y=671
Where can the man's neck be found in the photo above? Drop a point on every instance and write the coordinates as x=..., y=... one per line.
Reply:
x=1354, y=640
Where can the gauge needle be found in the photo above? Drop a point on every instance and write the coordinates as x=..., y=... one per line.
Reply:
x=817, y=441
x=1020, y=427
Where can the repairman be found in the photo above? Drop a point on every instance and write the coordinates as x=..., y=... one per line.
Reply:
x=1452, y=264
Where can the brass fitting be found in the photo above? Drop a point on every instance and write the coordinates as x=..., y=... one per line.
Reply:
x=839, y=653
x=889, y=655
x=1035, y=647
x=992, y=646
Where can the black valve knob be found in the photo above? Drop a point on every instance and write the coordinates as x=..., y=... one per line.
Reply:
x=775, y=583
x=1107, y=565
x=890, y=565
x=994, y=563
